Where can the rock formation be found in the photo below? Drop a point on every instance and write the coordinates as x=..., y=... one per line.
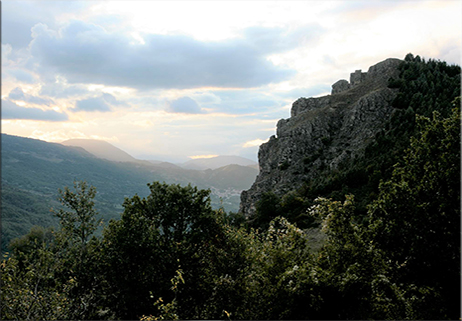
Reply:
x=324, y=132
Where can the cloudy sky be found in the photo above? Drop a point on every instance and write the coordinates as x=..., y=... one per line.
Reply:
x=174, y=80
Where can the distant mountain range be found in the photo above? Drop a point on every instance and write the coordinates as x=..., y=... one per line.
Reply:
x=34, y=170
x=217, y=162
x=101, y=149
x=105, y=150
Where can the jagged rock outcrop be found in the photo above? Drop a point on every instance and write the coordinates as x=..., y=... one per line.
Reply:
x=340, y=86
x=324, y=132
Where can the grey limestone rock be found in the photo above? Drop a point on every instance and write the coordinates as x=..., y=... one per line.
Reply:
x=324, y=132
x=340, y=86
x=302, y=105
x=357, y=77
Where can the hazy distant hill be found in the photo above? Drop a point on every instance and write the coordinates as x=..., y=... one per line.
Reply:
x=34, y=170
x=101, y=149
x=163, y=164
x=216, y=162
x=105, y=150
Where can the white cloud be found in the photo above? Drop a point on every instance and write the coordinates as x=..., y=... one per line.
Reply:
x=253, y=143
x=184, y=105
x=18, y=94
x=11, y=110
x=86, y=53
x=241, y=64
x=6, y=52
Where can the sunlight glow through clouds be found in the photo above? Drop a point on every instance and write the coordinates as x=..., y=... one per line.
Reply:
x=21, y=103
x=202, y=156
x=210, y=74
x=60, y=136
x=208, y=20
x=255, y=142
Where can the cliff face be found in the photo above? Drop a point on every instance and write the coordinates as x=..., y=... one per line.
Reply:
x=322, y=133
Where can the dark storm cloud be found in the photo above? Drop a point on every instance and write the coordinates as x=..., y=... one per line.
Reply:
x=18, y=94
x=102, y=103
x=184, y=105
x=12, y=111
x=86, y=53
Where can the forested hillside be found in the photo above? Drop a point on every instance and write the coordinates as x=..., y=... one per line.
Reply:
x=34, y=170
x=420, y=88
x=391, y=224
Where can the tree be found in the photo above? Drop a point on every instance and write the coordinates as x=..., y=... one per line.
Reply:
x=267, y=208
x=416, y=219
x=354, y=279
x=172, y=228
x=78, y=250
x=271, y=284
x=409, y=57
x=29, y=244
x=403, y=260
x=30, y=290
x=53, y=274
x=80, y=223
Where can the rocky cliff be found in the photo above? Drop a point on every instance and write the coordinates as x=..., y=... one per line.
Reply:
x=324, y=133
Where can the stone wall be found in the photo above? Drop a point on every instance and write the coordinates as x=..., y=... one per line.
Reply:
x=357, y=77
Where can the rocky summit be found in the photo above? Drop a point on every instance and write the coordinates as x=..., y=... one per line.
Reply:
x=324, y=133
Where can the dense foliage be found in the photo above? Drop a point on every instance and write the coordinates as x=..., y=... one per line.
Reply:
x=423, y=87
x=21, y=211
x=33, y=170
x=171, y=256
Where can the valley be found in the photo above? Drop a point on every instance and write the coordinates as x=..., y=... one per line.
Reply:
x=354, y=213
x=34, y=170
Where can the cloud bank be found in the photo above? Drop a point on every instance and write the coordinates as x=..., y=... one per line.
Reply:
x=18, y=94
x=12, y=111
x=185, y=105
x=102, y=103
x=86, y=53
x=211, y=78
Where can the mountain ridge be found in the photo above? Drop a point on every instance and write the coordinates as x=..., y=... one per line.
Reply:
x=217, y=162
x=33, y=170
x=324, y=132
x=348, y=142
x=105, y=150
x=101, y=149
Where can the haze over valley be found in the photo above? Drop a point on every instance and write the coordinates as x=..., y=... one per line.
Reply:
x=231, y=160
x=36, y=170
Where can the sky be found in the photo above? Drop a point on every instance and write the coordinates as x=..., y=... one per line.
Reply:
x=175, y=80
